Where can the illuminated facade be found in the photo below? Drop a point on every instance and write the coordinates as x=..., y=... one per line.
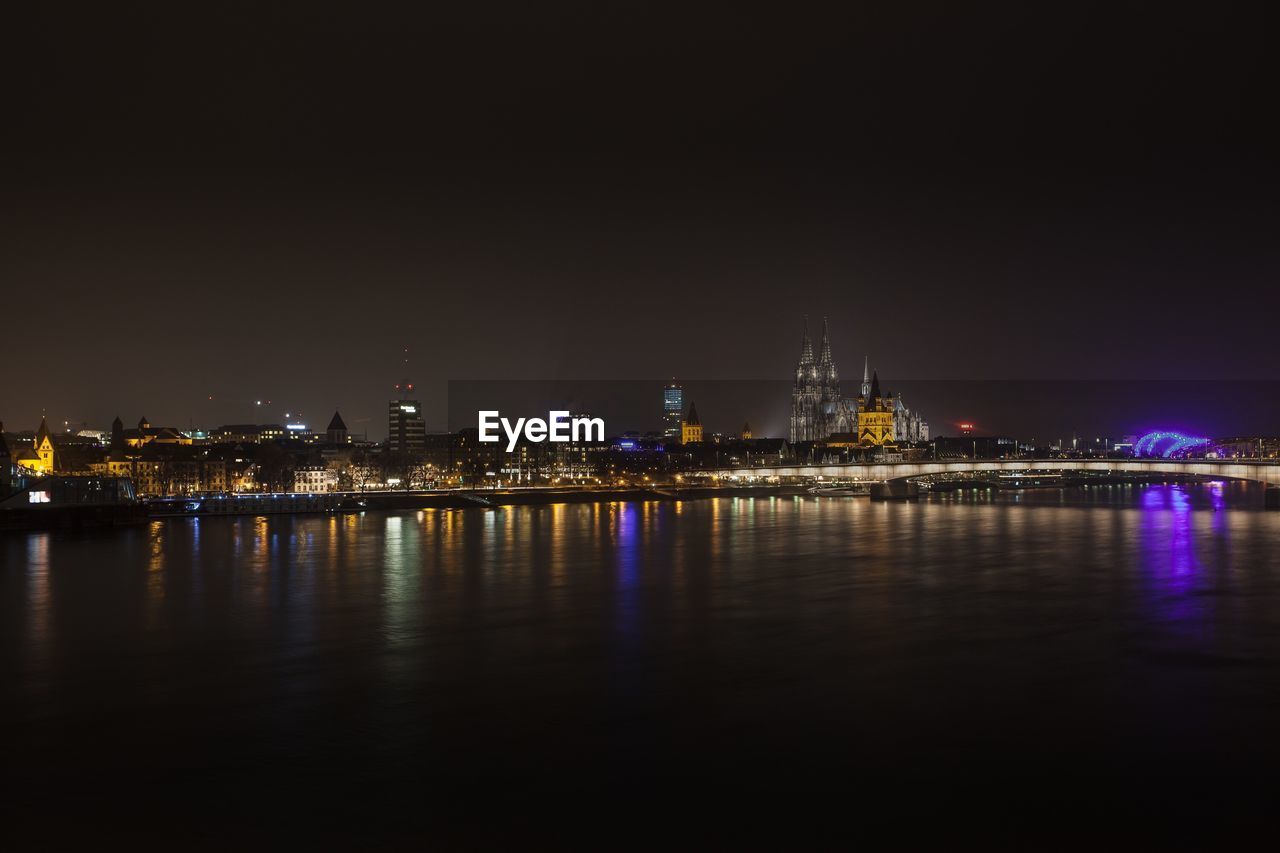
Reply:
x=817, y=409
x=908, y=426
x=38, y=459
x=672, y=410
x=875, y=417
x=691, y=427
x=314, y=479
x=147, y=434
x=43, y=446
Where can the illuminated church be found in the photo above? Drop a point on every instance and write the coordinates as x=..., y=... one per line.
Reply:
x=819, y=413
x=39, y=458
x=817, y=409
x=875, y=418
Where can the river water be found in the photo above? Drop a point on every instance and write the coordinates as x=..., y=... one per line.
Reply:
x=1039, y=669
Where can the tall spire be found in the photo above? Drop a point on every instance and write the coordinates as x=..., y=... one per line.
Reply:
x=874, y=399
x=824, y=356
x=866, y=370
x=806, y=345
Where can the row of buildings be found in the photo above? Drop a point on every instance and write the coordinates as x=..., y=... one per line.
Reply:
x=167, y=461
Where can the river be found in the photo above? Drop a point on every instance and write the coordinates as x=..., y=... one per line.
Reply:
x=1026, y=669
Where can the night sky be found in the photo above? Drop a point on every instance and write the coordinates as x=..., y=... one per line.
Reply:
x=269, y=201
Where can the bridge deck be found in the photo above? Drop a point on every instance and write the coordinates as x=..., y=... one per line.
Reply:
x=1264, y=471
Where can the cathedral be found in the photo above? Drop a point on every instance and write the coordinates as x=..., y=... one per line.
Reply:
x=817, y=409
x=819, y=413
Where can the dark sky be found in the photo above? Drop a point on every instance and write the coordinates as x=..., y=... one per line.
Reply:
x=268, y=201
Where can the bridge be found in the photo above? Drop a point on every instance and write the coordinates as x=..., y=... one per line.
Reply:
x=1262, y=470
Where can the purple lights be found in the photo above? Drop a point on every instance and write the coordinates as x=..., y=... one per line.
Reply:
x=1166, y=445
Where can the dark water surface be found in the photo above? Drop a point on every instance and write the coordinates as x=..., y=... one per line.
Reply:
x=1035, y=670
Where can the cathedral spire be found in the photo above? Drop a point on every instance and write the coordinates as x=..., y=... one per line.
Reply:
x=866, y=370
x=824, y=356
x=806, y=345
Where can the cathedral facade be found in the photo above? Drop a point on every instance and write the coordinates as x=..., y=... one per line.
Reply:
x=817, y=408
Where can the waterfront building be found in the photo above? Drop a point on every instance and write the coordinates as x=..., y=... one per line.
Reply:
x=406, y=430
x=746, y=431
x=875, y=417
x=691, y=427
x=314, y=479
x=672, y=410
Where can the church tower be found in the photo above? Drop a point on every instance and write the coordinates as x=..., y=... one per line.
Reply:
x=691, y=427
x=337, y=431
x=44, y=448
x=828, y=381
x=875, y=418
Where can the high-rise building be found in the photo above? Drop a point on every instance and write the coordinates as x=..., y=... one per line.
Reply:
x=672, y=410
x=691, y=427
x=406, y=430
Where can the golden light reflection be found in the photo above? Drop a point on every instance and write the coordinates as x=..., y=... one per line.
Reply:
x=331, y=531
x=155, y=586
x=557, y=545
x=261, y=532
x=39, y=604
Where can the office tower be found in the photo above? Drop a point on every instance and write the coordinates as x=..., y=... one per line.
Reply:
x=672, y=410
x=406, y=431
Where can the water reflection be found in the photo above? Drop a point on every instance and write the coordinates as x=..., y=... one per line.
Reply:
x=481, y=644
x=626, y=543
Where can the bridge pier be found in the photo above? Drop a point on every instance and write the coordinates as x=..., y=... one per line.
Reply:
x=1272, y=499
x=895, y=490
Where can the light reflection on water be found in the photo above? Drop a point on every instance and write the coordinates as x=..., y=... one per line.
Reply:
x=512, y=641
